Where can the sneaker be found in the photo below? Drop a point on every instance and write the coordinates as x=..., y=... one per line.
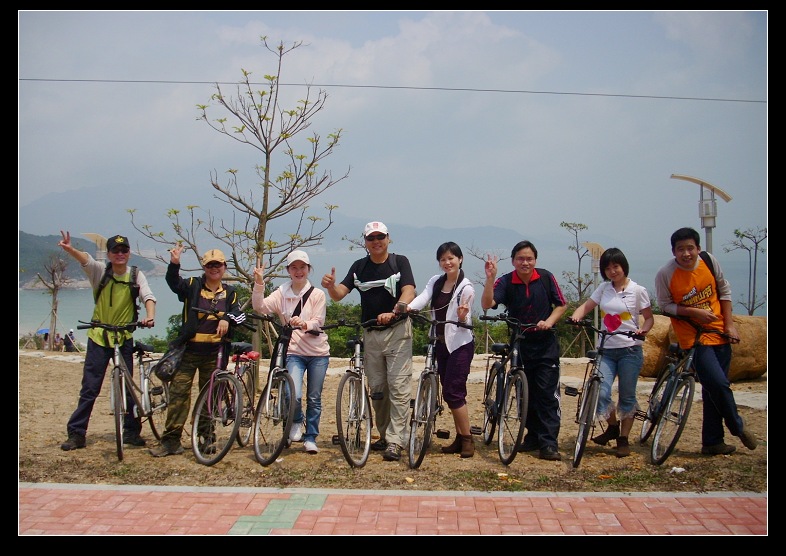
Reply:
x=747, y=437
x=166, y=449
x=380, y=445
x=74, y=442
x=550, y=454
x=296, y=433
x=130, y=439
x=721, y=449
x=392, y=452
x=310, y=447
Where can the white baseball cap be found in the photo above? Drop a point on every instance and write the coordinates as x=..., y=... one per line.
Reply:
x=372, y=227
x=298, y=255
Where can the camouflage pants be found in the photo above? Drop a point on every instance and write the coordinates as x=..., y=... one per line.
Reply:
x=180, y=392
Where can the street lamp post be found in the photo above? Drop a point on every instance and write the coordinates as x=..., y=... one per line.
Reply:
x=708, y=207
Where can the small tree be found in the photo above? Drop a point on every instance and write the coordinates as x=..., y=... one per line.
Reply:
x=55, y=280
x=257, y=120
x=580, y=283
x=750, y=240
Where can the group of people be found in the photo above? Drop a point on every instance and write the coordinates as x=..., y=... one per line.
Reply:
x=66, y=342
x=685, y=286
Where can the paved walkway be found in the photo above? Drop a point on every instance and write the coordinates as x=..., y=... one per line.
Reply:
x=66, y=509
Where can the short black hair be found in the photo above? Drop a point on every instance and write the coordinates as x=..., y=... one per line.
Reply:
x=613, y=255
x=453, y=248
x=683, y=234
x=525, y=244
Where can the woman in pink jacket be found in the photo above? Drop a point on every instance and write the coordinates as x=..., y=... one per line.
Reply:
x=302, y=306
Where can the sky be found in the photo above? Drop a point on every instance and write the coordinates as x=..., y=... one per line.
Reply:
x=522, y=119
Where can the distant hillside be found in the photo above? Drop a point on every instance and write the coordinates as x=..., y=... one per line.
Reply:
x=35, y=252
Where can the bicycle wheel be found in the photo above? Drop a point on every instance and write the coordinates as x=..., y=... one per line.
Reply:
x=424, y=413
x=248, y=390
x=655, y=404
x=157, y=392
x=513, y=416
x=490, y=395
x=586, y=420
x=673, y=419
x=118, y=408
x=274, y=414
x=214, y=422
x=353, y=419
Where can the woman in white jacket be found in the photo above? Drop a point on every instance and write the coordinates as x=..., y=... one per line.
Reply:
x=451, y=296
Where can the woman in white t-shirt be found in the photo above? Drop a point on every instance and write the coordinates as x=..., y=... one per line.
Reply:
x=622, y=302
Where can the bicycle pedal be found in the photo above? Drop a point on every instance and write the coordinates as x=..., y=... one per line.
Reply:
x=412, y=403
x=571, y=391
x=474, y=429
x=377, y=396
x=335, y=440
x=443, y=433
x=157, y=390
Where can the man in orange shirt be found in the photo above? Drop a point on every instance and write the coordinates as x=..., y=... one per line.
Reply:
x=686, y=287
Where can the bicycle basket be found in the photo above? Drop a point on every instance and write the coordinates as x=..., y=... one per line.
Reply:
x=167, y=366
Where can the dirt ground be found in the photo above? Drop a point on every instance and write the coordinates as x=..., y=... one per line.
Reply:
x=49, y=386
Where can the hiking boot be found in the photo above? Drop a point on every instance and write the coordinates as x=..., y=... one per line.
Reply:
x=380, y=445
x=454, y=448
x=467, y=446
x=747, y=437
x=721, y=449
x=74, y=442
x=133, y=439
x=167, y=449
x=392, y=452
x=550, y=454
x=623, y=448
x=612, y=433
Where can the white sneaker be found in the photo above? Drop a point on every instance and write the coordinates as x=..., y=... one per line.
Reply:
x=310, y=447
x=296, y=434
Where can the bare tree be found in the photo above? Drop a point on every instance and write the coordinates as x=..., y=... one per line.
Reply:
x=581, y=283
x=256, y=119
x=55, y=280
x=750, y=240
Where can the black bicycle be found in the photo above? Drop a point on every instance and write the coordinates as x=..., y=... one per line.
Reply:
x=506, y=391
x=671, y=398
x=589, y=393
x=427, y=403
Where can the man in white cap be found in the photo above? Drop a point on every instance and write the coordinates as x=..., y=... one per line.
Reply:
x=386, y=285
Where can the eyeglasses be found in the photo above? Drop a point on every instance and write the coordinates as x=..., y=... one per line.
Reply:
x=214, y=265
x=118, y=250
x=378, y=237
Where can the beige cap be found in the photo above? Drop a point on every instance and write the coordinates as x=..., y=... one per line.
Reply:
x=213, y=255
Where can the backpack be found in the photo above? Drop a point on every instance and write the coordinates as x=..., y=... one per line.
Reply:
x=706, y=258
x=133, y=286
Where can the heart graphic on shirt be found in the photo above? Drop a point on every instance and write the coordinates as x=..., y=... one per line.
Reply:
x=612, y=322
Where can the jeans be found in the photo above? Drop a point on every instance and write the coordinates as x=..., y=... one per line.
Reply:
x=625, y=365
x=313, y=369
x=712, y=367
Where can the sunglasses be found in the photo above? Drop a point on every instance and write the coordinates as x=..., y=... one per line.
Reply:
x=214, y=265
x=117, y=250
x=378, y=237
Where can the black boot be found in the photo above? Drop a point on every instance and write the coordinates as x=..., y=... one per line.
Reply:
x=612, y=433
x=454, y=448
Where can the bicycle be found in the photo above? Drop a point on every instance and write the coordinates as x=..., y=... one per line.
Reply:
x=506, y=391
x=589, y=393
x=670, y=401
x=245, y=360
x=427, y=403
x=149, y=398
x=275, y=410
x=218, y=410
x=354, y=419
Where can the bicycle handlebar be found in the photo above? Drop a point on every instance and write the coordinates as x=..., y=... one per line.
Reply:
x=698, y=327
x=525, y=326
x=274, y=320
x=129, y=326
x=418, y=316
x=588, y=324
